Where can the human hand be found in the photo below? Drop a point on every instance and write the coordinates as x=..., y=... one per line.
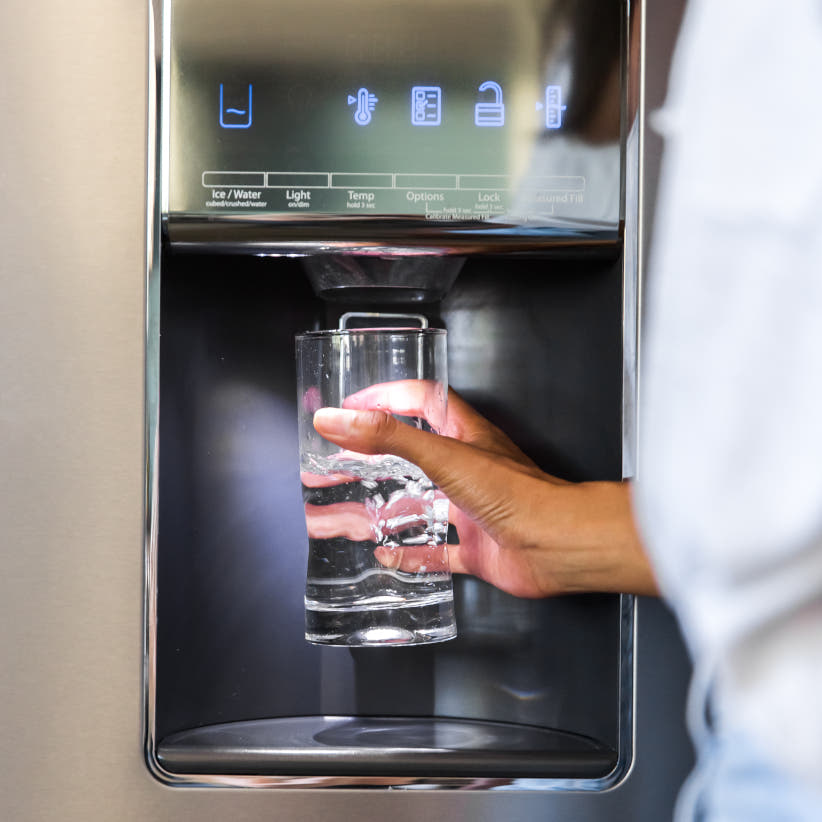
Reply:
x=522, y=530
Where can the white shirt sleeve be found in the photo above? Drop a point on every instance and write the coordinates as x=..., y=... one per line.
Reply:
x=729, y=491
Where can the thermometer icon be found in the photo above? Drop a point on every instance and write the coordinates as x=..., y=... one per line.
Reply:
x=365, y=105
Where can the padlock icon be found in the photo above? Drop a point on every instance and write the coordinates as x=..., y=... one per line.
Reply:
x=490, y=113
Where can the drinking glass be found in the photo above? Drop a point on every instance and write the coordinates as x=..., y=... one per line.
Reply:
x=377, y=559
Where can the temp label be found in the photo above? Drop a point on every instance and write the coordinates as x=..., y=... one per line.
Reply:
x=361, y=200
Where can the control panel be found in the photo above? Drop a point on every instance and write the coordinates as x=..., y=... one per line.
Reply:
x=447, y=113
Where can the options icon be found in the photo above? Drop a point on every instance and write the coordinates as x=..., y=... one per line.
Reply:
x=426, y=105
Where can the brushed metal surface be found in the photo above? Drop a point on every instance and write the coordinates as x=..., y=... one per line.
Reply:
x=72, y=171
x=72, y=270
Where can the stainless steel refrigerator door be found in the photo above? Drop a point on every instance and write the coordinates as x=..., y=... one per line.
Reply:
x=73, y=170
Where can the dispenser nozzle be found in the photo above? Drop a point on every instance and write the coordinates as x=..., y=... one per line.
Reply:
x=379, y=280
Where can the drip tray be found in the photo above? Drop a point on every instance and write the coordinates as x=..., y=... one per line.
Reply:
x=385, y=746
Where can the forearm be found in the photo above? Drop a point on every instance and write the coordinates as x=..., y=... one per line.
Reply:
x=588, y=541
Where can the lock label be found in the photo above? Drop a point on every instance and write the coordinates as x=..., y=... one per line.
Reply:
x=490, y=112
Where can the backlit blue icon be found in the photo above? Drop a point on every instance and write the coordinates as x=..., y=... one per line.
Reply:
x=426, y=105
x=235, y=109
x=490, y=113
x=553, y=107
x=365, y=105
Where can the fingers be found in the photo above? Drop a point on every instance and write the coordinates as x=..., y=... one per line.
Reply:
x=398, y=519
x=415, y=559
x=479, y=555
x=311, y=480
x=422, y=398
x=476, y=553
x=480, y=483
x=407, y=398
x=369, y=432
x=377, y=432
x=341, y=519
x=361, y=522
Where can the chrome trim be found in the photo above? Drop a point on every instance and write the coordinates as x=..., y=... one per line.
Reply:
x=380, y=315
x=632, y=267
x=632, y=261
x=152, y=382
x=278, y=235
x=633, y=131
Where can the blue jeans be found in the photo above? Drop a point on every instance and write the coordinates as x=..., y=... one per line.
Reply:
x=733, y=781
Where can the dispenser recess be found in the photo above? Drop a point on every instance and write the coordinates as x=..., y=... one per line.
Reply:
x=354, y=140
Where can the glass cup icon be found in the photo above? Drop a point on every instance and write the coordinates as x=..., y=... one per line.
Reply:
x=377, y=570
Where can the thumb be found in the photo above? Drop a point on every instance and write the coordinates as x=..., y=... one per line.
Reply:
x=481, y=484
x=370, y=432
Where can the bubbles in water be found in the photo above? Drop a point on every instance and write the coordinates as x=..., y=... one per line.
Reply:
x=397, y=583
